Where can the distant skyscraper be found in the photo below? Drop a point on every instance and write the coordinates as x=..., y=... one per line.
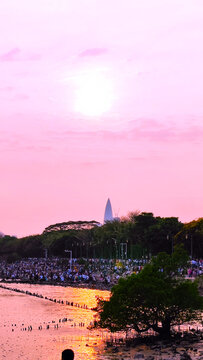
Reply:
x=108, y=214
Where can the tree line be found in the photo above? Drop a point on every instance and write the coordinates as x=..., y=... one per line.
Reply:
x=138, y=235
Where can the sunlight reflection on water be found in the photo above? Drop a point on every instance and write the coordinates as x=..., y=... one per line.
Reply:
x=50, y=335
x=18, y=311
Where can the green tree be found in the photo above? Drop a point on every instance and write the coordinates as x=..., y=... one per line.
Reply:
x=161, y=235
x=8, y=245
x=107, y=238
x=192, y=236
x=157, y=298
x=30, y=246
x=71, y=225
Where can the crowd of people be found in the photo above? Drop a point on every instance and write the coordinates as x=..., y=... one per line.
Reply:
x=96, y=272
x=195, y=269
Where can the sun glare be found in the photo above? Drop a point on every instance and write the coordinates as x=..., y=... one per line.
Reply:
x=93, y=94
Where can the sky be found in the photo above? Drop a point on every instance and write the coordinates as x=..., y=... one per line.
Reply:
x=98, y=99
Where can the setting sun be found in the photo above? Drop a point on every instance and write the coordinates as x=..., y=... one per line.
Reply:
x=94, y=93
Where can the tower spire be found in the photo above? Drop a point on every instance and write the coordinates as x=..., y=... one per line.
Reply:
x=108, y=214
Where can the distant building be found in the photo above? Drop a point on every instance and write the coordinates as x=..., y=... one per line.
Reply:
x=108, y=214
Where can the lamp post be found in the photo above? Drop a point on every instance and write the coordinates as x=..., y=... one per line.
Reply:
x=71, y=257
x=123, y=250
x=87, y=250
x=168, y=238
x=115, y=241
x=191, y=244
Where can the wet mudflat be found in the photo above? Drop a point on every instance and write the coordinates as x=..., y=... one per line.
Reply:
x=37, y=328
x=34, y=328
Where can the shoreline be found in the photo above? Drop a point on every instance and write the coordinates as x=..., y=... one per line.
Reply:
x=180, y=347
x=72, y=285
x=93, y=286
x=182, y=344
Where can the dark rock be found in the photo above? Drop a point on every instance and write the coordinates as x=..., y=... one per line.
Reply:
x=109, y=344
x=173, y=348
x=115, y=349
x=184, y=343
x=155, y=347
x=185, y=356
x=139, y=356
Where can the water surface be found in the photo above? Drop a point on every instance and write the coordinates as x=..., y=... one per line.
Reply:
x=49, y=335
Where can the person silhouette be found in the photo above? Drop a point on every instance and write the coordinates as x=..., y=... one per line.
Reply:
x=67, y=354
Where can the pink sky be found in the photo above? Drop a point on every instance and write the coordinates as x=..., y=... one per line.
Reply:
x=144, y=152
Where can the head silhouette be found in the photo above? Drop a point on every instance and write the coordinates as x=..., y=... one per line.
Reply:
x=67, y=354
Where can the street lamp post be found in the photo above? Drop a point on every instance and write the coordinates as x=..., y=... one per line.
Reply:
x=71, y=257
x=116, y=248
x=123, y=251
x=115, y=242
x=168, y=238
x=191, y=244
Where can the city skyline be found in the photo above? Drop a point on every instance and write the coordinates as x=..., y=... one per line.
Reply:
x=99, y=99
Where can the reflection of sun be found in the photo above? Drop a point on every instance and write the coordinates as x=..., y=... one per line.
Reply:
x=94, y=93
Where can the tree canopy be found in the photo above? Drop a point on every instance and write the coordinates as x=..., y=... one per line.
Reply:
x=71, y=225
x=157, y=298
x=142, y=233
x=191, y=235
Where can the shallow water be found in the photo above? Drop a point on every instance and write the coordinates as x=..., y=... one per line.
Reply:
x=19, y=311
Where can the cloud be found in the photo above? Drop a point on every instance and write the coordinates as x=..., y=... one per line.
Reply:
x=142, y=132
x=93, y=52
x=139, y=130
x=11, y=141
x=93, y=163
x=17, y=54
x=11, y=55
x=20, y=97
x=137, y=158
x=7, y=88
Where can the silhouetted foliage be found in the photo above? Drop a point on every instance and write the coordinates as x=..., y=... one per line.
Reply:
x=143, y=233
x=71, y=225
x=191, y=235
x=157, y=298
